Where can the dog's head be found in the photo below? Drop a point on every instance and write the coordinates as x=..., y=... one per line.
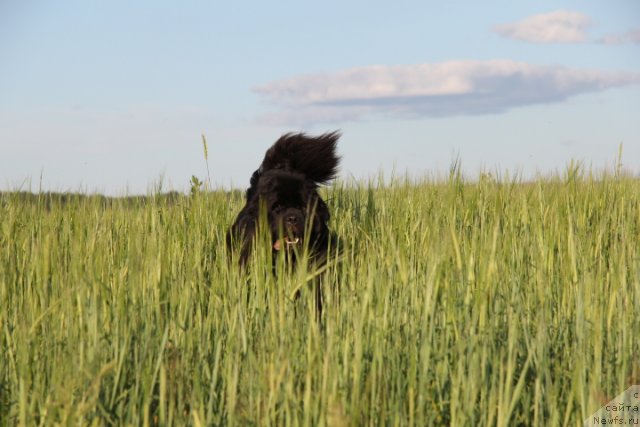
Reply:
x=295, y=213
x=285, y=189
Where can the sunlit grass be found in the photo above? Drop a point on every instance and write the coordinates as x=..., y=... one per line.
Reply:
x=494, y=302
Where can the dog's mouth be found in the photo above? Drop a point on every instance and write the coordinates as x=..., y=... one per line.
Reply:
x=286, y=243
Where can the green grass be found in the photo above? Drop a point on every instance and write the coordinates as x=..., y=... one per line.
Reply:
x=487, y=303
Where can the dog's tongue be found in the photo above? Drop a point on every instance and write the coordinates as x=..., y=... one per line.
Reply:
x=279, y=243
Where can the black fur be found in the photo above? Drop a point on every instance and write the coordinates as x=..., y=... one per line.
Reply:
x=285, y=186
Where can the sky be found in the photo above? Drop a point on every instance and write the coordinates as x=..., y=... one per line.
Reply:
x=114, y=97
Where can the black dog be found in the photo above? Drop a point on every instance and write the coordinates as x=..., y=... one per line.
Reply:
x=285, y=190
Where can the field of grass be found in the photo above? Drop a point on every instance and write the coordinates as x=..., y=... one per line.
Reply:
x=487, y=303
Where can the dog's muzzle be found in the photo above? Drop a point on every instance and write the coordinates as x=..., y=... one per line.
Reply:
x=292, y=222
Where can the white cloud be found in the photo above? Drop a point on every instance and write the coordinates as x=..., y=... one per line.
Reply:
x=630, y=37
x=429, y=90
x=562, y=26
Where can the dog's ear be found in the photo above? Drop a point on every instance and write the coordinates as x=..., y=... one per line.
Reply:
x=253, y=184
x=241, y=234
x=318, y=212
x=322, y=211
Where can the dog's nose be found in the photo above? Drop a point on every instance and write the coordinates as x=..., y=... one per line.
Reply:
x=292, y=220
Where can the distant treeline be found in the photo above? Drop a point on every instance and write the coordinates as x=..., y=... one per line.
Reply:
x=49, y=199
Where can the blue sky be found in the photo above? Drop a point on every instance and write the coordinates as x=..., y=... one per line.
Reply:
x=111, y=96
